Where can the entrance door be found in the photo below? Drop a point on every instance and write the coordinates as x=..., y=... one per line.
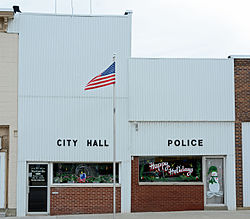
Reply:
x=38, y=188
x=215, y=182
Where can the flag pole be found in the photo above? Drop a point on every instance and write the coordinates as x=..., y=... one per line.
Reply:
x=114, y=146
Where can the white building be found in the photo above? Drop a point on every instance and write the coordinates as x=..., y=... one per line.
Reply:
x=175, y=122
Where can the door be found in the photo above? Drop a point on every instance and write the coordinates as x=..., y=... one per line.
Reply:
x=215, y=181
x=38, y=188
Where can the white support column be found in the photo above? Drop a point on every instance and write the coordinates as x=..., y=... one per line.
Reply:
x=2, y=179
x=246, y=163
x=125, y=172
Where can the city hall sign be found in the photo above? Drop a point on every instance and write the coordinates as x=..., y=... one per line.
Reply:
x=61, y=142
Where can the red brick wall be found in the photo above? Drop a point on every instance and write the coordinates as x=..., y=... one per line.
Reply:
x=83, y=200
x=238, y=164
x=164, y=198
x=242, y=114
x=242, y=89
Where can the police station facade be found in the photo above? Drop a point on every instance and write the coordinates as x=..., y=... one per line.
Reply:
x=175, y=122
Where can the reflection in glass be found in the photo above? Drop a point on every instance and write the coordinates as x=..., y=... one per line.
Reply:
x=170, y=169
x=84, y=173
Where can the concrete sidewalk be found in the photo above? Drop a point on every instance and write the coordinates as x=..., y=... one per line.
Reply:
x=240, y=214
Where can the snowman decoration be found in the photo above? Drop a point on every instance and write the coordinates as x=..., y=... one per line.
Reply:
x=214, y=186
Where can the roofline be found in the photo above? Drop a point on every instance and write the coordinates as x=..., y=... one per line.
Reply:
x=239, y=57
x=74, y=15
x=178, y=58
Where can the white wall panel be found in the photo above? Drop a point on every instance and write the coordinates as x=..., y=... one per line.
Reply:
x=2, y=180
x=152, y=138
x=230, y=187
x=246, y=163
x=181, y=90
x=58, y=55
x=65, y=118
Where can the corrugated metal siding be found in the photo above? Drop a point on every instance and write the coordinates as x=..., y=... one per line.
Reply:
x=151, y=138
x=181, y=90
x=58, y=56
x=62, y=53
x=67, y=118
x=2, y=180
x=246, y=163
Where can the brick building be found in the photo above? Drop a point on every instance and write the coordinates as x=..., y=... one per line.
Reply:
x=242, y=128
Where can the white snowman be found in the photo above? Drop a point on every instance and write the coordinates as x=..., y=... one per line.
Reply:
x=214, y=186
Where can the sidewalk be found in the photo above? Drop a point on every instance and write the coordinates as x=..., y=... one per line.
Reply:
x=240, y=214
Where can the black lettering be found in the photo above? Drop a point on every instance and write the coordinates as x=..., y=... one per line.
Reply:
x=74, y=141
x=177, y=143
x=188, y=144
x=200, y=142
x=105, y=143
x=95, y=143
x=59, y=142
x=68, y=140
x=170, y=142
x=89, y=142
x=100, y=143
x=193, y=142
x=63, y=142
x=183, y=143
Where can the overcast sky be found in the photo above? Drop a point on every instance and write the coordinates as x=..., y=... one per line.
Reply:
x=168, y=28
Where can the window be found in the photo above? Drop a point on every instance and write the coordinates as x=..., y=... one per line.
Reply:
x=170, y=169
x=84, y=173
x=214, y=181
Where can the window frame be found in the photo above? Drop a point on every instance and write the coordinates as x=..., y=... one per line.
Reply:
x=52, y=184
x=224, y=157
x=173, y=183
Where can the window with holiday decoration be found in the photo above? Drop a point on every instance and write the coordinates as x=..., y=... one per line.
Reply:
x=170, y=169
x=84, y=173
x=214, y=181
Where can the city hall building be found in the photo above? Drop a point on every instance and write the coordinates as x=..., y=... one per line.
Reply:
x=175, y=123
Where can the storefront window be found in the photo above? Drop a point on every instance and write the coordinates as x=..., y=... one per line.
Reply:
x=170, y=169
x=84, y=173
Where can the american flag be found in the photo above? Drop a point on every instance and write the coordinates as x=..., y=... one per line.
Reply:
x=104, y=79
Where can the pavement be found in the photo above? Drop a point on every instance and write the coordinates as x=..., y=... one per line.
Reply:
x=239, y=214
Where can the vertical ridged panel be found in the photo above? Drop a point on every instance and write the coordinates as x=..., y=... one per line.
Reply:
x=246, y=163
x=82, y=120
x=152, y=138
x=181, y=90
x=62, y=53
x=2, y=180
x=58, y=55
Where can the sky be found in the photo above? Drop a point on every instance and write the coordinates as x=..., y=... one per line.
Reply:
x=168, y=28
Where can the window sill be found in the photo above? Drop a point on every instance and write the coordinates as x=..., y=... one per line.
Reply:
x=171, y=183
x=85, y=185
